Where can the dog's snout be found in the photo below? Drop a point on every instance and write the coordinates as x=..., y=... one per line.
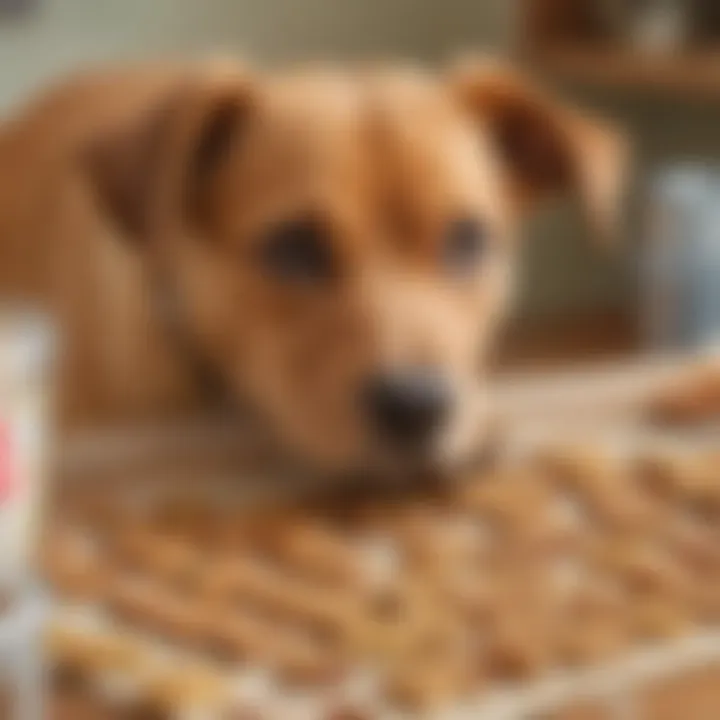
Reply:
x=407, y=407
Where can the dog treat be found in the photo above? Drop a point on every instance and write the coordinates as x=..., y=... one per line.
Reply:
x=186, y=687
x=659, y=619
x=348, y=713
x=312, y=549
x=569, y=559
x=582, y=710
x=516, y=651
x=275, y=593
x=158, y=610
x=692, y=693
x=173, y=560
x=690, y=399
x=91, y=650
x=72, y=563
x=157, y=683
x=423, y=687
x=642, y=569
x=589, y=644
x=295, y=658
x=662, y=473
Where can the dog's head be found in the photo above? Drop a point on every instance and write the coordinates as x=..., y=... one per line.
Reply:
x=342, y=244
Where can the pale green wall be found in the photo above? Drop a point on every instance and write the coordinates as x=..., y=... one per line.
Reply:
x=64, y=34
x=664, y=130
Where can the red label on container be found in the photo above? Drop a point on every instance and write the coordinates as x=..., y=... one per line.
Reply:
x=6, y=478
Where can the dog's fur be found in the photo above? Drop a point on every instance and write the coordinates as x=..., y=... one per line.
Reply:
x=126, y=189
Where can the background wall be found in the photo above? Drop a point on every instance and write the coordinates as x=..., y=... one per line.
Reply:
x=561, y=274
x=62, y=34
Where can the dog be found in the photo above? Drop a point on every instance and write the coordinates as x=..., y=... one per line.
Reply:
x=333, y=248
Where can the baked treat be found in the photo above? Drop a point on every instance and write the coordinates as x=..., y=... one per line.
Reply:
x=691, y=399
x=567, y=559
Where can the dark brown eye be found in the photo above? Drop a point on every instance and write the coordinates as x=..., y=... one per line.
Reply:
x=466, y=244
x=298, y=251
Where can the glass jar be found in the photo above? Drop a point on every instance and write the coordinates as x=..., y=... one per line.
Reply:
x=26, y=353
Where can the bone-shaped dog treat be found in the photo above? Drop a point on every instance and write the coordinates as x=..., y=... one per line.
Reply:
x=171, y=558
x=513, y=653
x=506, y=499
x=167, y=685
x=158, y=610
x=473, y=598
x=582, y=643
x=642, y=568
x=393, y=616
x=423, y=689
x=661, y=472
x=74, y=564
x=433, y=671
x=684, y=476
x=312, y=549
x=254, y=584
x=695, y=546
x=579, y=466
x=187, y=688
x=659, y=618
x=705, y=600
x=294, y=658
x=90, y=650
x=690, y=399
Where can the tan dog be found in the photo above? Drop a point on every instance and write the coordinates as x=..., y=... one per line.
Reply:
x=334, y=248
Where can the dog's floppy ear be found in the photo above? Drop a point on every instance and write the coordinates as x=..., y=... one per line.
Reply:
x=547, y=148
x=161, y=165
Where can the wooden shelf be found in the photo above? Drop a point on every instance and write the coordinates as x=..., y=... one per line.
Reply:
x=557, y=342
x=693, y=73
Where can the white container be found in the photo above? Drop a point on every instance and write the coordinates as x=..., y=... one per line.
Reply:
x=681, y=260
x=26, y=350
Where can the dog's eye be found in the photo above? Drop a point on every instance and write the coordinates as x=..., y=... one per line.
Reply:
x=465, y=244
x=298, y=250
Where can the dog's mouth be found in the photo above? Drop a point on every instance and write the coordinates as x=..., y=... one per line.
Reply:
x=433, y=463
x=379, y=466
x=388, y=444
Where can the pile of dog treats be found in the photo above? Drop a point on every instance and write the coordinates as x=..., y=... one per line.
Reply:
x=570, y=558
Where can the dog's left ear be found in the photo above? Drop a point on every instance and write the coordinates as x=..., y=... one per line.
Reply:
x=162, y=165
x=547, y=148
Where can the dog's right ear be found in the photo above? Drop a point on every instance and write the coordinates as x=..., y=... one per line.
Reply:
x=548, y=149
x=162, y=165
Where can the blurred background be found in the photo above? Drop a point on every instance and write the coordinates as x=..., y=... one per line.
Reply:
x=652, y=64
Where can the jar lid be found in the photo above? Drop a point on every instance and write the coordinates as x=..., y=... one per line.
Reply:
x=27, y=342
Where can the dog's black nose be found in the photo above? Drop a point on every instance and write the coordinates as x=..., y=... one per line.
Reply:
x=407, y=407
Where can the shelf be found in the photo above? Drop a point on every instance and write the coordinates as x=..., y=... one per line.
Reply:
x=558, y=342
x=693, y=74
